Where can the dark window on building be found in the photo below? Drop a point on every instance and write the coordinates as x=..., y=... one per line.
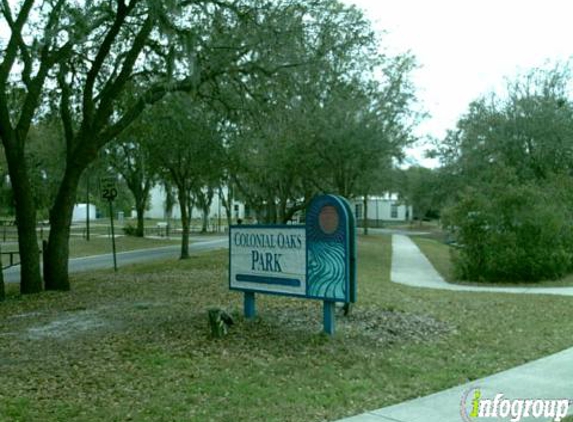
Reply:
x=394, y=211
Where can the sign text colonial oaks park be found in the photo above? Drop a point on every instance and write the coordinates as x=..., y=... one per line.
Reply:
x=315, y=261
x=269, y=259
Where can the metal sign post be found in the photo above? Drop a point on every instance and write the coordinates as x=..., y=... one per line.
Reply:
x=88, y=208
x=112, y=235
x=109, y=192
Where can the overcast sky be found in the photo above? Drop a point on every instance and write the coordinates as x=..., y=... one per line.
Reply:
x=466, y=48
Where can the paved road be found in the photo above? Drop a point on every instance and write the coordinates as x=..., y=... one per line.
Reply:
x=98, y=262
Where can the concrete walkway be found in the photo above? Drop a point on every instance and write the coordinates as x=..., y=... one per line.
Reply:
x=411, y=267
x=550, y=377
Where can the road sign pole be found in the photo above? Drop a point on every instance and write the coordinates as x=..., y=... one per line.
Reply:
x=87, y=208
x=112, y=235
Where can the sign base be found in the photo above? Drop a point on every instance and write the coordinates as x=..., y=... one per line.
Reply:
x=250, y=305
x=328, y=317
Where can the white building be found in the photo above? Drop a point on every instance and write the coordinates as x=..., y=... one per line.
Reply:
x=157, y=209
x=383, y=208
x=80, y=212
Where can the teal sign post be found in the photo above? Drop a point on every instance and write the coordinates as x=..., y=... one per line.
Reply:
x=313, y=261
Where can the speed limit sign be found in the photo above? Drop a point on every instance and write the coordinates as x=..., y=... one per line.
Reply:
x=108, y=190
x=108, y=187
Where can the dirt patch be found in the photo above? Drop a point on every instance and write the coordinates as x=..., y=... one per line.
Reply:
x=66, y=326
x=25, y=315
x=381, y=326
x=389, y=327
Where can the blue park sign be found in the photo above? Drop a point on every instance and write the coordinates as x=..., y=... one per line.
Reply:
x=314, y=261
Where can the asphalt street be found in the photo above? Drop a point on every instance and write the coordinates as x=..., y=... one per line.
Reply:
x=98, y=262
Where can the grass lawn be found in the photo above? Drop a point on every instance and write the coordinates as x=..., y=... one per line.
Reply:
x=439, y=254
x=135, y=346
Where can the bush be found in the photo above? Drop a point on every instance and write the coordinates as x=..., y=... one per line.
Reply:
x=130, y=230
x=514, y=233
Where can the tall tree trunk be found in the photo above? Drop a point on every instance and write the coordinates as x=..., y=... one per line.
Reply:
x=365, y=224
x=56, y=265
x=184, y=208
x=140, y=210
x=227, y=204
x=30, y=277
x=271, y=215
x=205, y=216
x=2, y=290
x=204, y=201
x=282, y=211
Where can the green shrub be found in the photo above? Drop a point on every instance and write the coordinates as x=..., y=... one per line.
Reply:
x=130, y=230
x=514, y=233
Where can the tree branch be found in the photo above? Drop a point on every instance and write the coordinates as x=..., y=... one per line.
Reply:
x=113, y=88
x=152, y=95
x=49, y=58
x=123, y=11
x=27, y=71
x=12, y=48
x=65, y=111
x=6, y=129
